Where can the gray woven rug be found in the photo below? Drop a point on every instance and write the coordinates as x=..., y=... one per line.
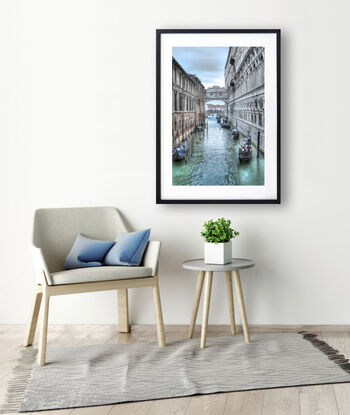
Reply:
x=109, y=374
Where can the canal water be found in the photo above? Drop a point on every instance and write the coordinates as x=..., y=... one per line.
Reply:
x=214, y=161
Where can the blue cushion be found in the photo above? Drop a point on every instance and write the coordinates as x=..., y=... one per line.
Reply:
x=87, y=252
x=129, y=249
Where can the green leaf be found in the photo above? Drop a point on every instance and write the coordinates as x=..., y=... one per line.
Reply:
x=219, y=231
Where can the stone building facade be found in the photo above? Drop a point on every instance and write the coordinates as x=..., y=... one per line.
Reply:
x=245, y=83
x=188, y=103
x=216, y=109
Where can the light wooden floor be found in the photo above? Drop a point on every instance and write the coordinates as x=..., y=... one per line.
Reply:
x=311, y=400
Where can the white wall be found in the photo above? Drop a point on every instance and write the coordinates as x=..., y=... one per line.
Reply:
x=77, y=128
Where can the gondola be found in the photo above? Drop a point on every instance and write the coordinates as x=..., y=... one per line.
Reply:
x=235, y=134
x=245, y=151
x=226, y=125
x=180, y=152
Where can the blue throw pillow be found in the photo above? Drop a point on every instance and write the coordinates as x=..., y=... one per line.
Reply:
x=128, y=249
x=87, y=252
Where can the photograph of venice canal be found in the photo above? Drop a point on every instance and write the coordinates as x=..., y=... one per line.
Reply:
x=218, y=116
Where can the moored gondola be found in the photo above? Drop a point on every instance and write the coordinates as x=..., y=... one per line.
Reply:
x=235, y=134
x=245, y=151
x=225, y=123
x=179, y=153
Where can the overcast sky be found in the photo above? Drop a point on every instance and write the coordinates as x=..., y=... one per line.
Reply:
x=206, y=62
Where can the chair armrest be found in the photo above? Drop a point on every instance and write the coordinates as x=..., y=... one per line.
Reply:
x=40, y=267
x=151, y=256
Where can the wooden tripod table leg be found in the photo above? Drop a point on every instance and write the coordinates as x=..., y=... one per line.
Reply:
x=159, y=316
x=206, y=304
x=197, y=298
x=241, y=304
x=231, y=309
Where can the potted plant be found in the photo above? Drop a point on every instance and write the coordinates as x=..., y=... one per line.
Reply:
x=218, y=245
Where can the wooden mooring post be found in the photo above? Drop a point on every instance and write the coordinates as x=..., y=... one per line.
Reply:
x=258, y=145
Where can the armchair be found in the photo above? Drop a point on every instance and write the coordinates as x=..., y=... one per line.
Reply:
x=53, y=235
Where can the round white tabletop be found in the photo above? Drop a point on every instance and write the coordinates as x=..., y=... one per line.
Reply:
x=234, y=265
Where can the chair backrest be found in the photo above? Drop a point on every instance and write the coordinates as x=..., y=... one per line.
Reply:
x=55, y=230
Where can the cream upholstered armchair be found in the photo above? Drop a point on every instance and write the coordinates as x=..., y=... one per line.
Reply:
x=53, y=236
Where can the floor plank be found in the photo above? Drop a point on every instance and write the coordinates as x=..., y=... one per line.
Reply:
x=342, y=396
x=93, y=410
x=133, y=408
x=284, y=401
x=207, y=404
x=245, y=403
x=318, y=400
x=177, y=406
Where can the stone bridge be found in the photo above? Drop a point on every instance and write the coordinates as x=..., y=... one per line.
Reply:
x=216, y=93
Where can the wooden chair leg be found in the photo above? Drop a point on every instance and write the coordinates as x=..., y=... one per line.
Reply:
x=206, y=304
x=43, y=329
x=123, y=311
x=197, y=298
x=29, y=336
x=231, y=309
x=241, y=305
x=159, y=316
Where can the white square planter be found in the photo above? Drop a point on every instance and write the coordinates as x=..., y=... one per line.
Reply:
x=217, y=253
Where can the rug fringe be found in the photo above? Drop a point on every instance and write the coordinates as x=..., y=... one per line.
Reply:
x=17, y=386
x=328, y=350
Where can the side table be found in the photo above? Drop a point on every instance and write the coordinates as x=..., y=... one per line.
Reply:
x=206, y=270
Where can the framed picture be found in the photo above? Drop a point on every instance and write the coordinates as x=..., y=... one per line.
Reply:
x=218, y=116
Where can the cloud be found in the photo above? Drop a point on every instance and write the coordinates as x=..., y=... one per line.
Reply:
x=208, y=63
x=217, y=82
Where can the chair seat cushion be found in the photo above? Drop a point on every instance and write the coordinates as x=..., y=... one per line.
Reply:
x=95, y=274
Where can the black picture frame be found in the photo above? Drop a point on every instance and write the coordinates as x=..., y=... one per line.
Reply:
x=159, y=198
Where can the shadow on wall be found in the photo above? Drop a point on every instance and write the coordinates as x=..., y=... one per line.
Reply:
x=127, y=224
